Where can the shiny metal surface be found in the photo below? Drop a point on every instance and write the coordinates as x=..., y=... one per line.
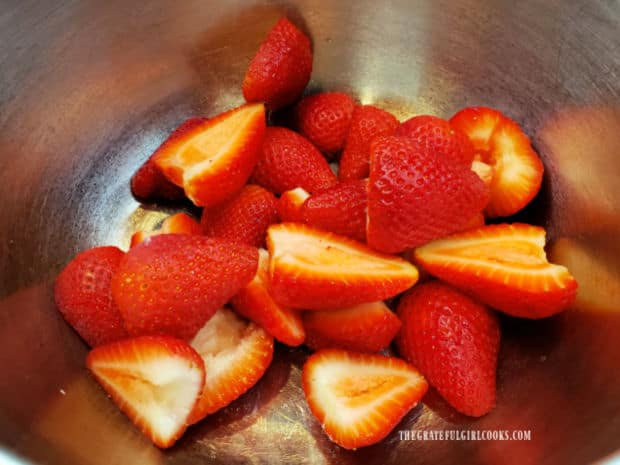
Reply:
x=88, y=89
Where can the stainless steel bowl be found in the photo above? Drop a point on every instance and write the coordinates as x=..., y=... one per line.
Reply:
x=88, y=89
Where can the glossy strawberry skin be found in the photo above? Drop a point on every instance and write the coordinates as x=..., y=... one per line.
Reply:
x=83, y=295
x=340, y=209
x=149, y=183
x=367, y=123
x=288, y=160
x=325, y=119
x=173, y=283
x=454, y=342
x=290, y=204
x=281, y=68
x=437, y=135
x=415, y=196
x=244, y=219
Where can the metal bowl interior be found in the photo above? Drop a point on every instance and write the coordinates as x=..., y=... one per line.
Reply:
x=89, y=89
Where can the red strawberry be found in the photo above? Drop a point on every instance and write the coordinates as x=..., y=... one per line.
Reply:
x=214, y=159
x=154, y=380
x=500, y=142
x=181, y=223
x=367, y=123
x=84, y=297
x=504, y=266
x=149, y=183
x=415, y=196
x=366, y=327
x=359, y=398
x=236, y=354
x=340, y=209
x=454, y=342
x=173, y=283
x=325, y=119
x=438, y=136
x=255, y=303
x=312, y=269
x=290, y=203
x=244, y=218
x=280, y=70
x=288, y=161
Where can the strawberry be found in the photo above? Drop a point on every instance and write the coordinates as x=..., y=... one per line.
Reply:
x=504, y=266
x=280, y=70
x=290, y=203
x=84, y=298
x=367, y=123
x=324, y=119
x=173, y=283
x=154, y=380
x=340, y=209
x=213, y=160
x=359, y=398
x=150, y=183
x=255, y=303
x=236, y=353
x=415, y=196
x=500, y=142
x=244, y=218
x=454, y=342
x=368, y=327
x=180, y=223
x=312, y=269
x=289, y=160
x=437, y=135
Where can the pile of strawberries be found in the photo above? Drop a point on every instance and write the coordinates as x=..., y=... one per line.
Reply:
x=184, y=322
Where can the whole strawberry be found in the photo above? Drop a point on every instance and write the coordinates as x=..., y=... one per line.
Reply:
x=454, y=342
x=243, y=219
x=173, y=283
x=84, y=298
x=415, y=196
x=367, y=123
x=288, y=161
x=281, y=68
x=325, y=119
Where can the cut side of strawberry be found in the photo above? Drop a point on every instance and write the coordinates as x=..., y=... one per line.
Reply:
x=180, y=223
x=154, y=380
x=236, y=354
x=504, y=266
x=499, y=142
x=359, y=398
x=312, y=269
x=366, y=327
x=255, y=303
x=213, y=160
x=290, y=203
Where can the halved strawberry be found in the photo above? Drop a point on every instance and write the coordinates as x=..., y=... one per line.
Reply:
x=154, y=380
x=83, y=295
x=214, y=159
x=281, y=68
x=359, y=398
x=312, y=269
x=289, y=160
x=415, y=196
x=236, y=354
x=367, y=123
x=180, y=223
x=438, y=136
x=255, y=303
x=325, y=118
x=290, y=203
x=340, y=209
x=244, y=218
x=150, y=183
x=504, y=266
x=501, y=143
x=173, y=283
x=368, y=327
x=453, y=341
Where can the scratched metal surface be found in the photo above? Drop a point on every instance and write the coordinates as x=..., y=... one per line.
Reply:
x=88, y=89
